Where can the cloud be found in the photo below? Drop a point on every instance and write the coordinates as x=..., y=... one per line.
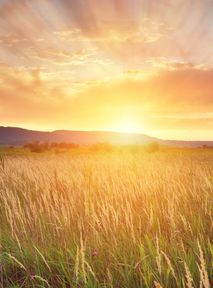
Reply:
x=171, y=99
x=189, y=89
x=113, y=27
x=181, y=122
x=87, y=63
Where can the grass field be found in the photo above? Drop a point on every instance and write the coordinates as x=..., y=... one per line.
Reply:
x=106, y=219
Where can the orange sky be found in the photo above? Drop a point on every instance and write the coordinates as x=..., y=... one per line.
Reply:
x=142, y=66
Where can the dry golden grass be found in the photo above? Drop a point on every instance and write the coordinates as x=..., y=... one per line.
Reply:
x=117, y=219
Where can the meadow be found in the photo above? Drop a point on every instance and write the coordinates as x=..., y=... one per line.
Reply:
x=123, y=218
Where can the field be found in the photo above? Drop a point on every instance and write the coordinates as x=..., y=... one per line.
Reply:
x=123, y=218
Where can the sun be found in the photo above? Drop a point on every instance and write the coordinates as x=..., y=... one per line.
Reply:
x=127, y=126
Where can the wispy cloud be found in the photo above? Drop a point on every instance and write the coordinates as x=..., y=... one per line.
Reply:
x=81, y=64
x=173, y=98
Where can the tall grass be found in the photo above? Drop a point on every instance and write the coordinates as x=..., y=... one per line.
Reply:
x=107, y=220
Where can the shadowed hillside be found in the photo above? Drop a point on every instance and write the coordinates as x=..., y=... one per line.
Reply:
x=19, y=136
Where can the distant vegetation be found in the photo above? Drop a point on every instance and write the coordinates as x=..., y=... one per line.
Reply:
x=42, y=147
x=153, y=147
x=102, y=146
x=97, y=147
x=110, y=219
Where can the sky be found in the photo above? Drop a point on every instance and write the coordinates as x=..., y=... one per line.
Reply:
x=140, y=66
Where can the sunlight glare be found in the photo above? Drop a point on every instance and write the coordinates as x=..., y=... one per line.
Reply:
x=127, y=126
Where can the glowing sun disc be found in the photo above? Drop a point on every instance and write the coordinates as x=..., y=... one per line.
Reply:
x=127, y=126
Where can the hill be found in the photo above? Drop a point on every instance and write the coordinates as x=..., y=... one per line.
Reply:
x=19, y=136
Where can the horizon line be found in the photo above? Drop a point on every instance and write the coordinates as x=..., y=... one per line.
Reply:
x=108, y=131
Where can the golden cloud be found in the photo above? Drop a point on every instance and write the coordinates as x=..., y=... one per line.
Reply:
x=176, y=92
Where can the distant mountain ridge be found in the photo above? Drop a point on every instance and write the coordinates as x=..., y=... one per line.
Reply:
x=19, y=136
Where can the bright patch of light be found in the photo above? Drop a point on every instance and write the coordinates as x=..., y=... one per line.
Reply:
x=127, y=126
